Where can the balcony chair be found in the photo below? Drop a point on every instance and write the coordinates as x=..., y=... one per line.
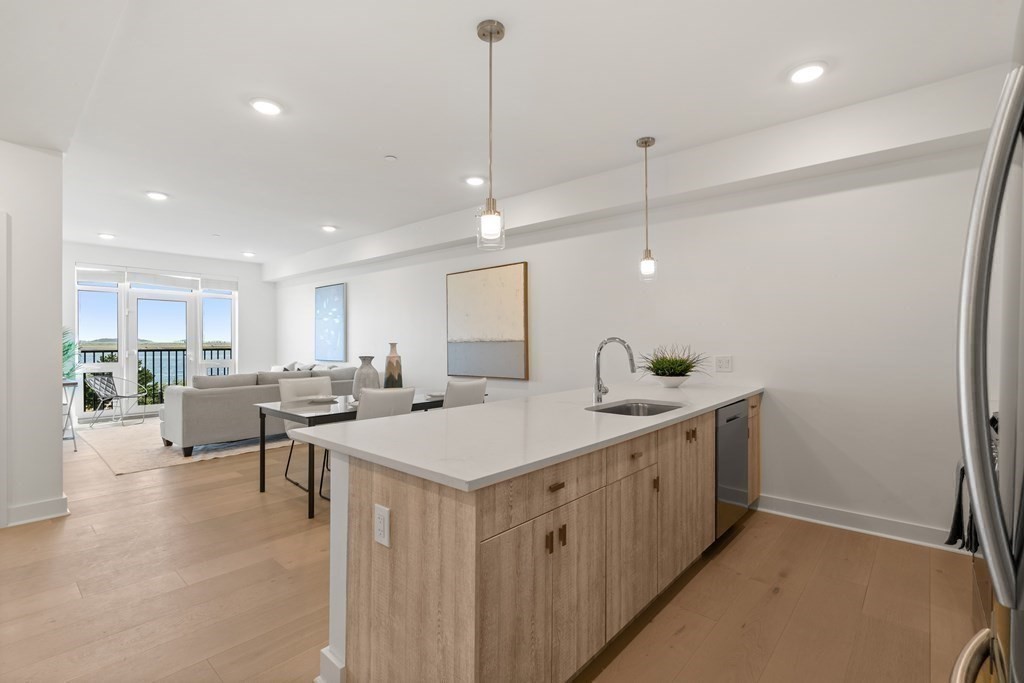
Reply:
x=296, y=390
x=106, y=390
x=384, y=403
x=464, y=393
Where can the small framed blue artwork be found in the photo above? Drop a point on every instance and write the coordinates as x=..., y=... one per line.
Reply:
x=330, y=323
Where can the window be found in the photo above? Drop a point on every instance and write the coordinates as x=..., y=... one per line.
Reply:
x=97, y=326
x=151, y=329
x=217, y=336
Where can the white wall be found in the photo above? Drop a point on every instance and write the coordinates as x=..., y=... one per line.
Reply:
x=30, y=191
x=257, y=301
x=838, y=293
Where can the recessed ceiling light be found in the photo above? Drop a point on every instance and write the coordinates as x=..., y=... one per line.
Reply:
x=265, y=107
x=328, y=228
x=390, y=157
x=475, y=181
x=105, y=236
x=248, y=254
x=157, y=196
x=807, y=73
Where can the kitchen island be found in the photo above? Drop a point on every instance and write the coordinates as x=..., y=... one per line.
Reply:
x=522, y=535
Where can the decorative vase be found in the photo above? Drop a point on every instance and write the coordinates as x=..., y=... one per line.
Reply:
x=671, y=382
x=366, y=377
x=393, y=368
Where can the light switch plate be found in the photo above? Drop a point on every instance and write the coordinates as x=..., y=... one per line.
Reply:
x=723, y=363
x=382, y=525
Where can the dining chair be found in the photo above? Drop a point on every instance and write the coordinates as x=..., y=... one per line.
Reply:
x=296, y=390
x=464, y=393
x=384, y=403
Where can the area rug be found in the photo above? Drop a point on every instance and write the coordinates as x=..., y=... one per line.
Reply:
x=138, y=447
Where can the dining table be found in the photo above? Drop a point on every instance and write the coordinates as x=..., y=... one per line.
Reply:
x=313, y=412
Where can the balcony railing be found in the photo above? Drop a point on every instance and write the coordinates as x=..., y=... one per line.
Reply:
x=158, y=369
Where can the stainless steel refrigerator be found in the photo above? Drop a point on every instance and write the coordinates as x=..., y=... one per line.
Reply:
x=990, y=360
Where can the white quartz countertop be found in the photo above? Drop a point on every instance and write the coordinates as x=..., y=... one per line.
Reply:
x=475, y=446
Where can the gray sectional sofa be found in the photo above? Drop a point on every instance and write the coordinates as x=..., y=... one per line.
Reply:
x=220, y=409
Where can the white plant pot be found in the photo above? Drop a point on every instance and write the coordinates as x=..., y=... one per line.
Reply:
x=671, y=382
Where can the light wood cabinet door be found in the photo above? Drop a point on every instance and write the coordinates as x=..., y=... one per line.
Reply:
x=578, y=584
x=674, y=469
x=703, y=486
x=686, y=520
x=632, y=556
x=515, y=603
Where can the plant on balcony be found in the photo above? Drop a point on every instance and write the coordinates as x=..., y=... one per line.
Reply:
x=69, y=354
x=672, y=365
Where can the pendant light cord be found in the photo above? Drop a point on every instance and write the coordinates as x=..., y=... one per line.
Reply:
x=490, y=115
x=647, y=244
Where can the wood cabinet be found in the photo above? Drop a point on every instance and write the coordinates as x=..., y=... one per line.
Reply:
x=527, y=579
x=754, y=450
x=577, y=586
x=508, y=503
x=542, y=594
x=686, y=462
x=632, y=548
x=515, y=603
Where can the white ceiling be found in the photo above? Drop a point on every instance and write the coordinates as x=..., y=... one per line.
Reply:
x=576, y=82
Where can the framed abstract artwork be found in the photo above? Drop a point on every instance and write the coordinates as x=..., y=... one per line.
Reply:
x=488, y=322
x=330, y=315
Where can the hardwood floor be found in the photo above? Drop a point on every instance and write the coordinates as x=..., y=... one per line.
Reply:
x=781, y=600
x=180, y=574
x=189, y=574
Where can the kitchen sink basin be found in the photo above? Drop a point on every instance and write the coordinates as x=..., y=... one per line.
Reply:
x=635, y=407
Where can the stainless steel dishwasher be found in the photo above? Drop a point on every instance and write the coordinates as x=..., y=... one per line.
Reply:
x=731, y=473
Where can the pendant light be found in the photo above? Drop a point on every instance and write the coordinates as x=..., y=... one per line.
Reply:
x=648, y=266
x=490, y=234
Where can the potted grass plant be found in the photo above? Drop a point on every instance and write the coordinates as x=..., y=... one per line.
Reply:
x=672, y=365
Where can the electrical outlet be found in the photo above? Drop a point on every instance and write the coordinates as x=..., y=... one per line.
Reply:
x=382, y=525
x=723, y=363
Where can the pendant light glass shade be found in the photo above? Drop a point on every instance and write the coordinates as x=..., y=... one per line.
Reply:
x=648, y=266
x=490, y=232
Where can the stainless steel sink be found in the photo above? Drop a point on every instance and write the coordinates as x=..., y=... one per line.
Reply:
x=632, y=406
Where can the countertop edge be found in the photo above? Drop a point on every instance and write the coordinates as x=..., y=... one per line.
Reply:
x=671, y=418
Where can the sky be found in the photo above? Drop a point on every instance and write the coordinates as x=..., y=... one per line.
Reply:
x=158, y=320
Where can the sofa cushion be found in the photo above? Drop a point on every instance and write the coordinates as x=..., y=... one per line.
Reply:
x=336, y=373
x=323, y=366
x=223, y=381
x=304, y=367
x=273, y=377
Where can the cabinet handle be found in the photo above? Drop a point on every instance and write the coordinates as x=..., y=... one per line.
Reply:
x=657, y=483
x=556, y=487
x=687, y=436
x=634, y=456
x=549, y=542
x=694, y=433
x=562, y=534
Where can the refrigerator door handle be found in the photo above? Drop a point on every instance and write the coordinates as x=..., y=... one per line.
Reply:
x=968, y=664
x=971, y=361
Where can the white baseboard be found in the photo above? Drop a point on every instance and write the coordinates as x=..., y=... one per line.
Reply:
x=856, y=521
x=37, y=511
x=331, y=670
